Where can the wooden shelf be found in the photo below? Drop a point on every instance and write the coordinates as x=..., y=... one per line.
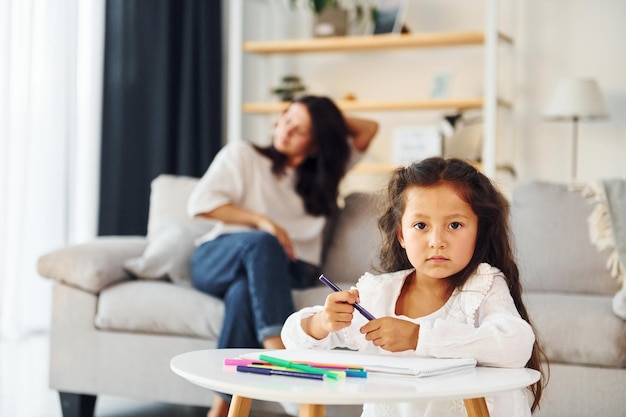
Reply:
x=382, y=105
x=379, y=168
x=487, y=40
x=370, y=42
x=373, y=168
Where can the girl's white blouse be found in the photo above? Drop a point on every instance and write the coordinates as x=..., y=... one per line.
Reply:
x=479, y=321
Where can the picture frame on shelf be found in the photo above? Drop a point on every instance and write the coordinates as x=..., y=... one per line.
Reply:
x=389, y=16
x=414, y=143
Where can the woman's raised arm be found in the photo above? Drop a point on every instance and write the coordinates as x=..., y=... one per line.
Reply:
x=362, y=132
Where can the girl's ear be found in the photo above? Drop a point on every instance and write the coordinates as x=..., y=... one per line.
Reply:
x=400, y=236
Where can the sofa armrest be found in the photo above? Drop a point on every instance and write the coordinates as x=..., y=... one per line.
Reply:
x=94, y=265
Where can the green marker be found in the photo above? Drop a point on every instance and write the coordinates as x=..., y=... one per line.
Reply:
x=302, y=367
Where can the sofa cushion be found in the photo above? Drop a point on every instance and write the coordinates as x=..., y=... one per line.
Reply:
x=354, y=241
x=551, y=234
x=315, y=296
x=171, y=233
x=168, y=254
x=91, y=266
x=168, y=200
x=160, y=307
x=578, y=329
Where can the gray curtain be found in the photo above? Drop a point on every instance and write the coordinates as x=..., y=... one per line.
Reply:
x=162, y=101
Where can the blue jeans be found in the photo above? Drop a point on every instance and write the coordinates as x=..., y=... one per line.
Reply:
x=252, y=274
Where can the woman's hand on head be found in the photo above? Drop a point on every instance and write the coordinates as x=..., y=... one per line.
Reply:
x=281, y=234
x=391, y=334
x=336, y=315
x=362, y=131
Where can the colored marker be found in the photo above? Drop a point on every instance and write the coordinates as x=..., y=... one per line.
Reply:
x=243, y=362
x=268, y=371
x=335, y=288
x=302, y=367
x=350, y=371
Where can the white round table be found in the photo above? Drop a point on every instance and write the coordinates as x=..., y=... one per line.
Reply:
x=206, y=368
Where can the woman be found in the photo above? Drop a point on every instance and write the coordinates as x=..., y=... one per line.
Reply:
x=271, y=205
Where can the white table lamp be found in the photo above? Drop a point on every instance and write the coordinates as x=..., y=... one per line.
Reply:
x=576, y=99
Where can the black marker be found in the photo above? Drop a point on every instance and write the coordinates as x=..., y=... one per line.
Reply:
x=268, y=371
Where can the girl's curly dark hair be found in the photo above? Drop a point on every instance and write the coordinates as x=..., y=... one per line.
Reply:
x=493, y=240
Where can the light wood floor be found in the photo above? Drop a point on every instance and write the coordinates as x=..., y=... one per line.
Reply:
x=24, y=388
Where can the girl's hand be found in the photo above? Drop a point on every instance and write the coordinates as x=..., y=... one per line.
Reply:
x=391, y=334
x=336, y=315
x=281, y=234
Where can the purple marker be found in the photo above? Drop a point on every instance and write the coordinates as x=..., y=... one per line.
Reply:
x=269, y=371
x=335, y=288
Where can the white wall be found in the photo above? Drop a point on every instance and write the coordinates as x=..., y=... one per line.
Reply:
x=553, y=39
x=563, y=38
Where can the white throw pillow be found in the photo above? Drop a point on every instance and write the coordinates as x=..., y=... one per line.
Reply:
x=168, y=254
x=168, y=200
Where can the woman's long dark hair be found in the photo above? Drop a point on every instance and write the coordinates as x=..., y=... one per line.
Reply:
x=493, y=240
x=318, y=176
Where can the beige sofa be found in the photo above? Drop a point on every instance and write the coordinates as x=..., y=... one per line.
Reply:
x=569, y=293
x=113, y=333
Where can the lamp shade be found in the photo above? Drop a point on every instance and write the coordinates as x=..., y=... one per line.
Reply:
x=576, y=98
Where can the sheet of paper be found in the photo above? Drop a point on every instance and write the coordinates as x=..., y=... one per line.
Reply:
x=384, y=364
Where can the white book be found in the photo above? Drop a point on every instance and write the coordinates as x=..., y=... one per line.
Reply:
x=407, y=366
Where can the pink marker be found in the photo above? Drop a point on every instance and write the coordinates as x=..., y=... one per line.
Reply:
x=243, y=362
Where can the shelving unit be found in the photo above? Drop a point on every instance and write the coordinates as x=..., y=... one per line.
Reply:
x=370, y=42
x=489, y=102
x=383, y=105
x=380, y=105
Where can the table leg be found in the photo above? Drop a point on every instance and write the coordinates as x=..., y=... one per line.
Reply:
x=312, y=410
x=476, y=407
x=239, y=406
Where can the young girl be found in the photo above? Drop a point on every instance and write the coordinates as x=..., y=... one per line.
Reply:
x=450, y=289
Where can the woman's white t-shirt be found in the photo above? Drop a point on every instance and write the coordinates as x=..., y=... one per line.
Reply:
x=241, y=176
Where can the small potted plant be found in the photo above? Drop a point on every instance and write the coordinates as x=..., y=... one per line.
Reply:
x=290, y=86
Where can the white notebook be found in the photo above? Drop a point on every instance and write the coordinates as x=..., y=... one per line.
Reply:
x=408, y=366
